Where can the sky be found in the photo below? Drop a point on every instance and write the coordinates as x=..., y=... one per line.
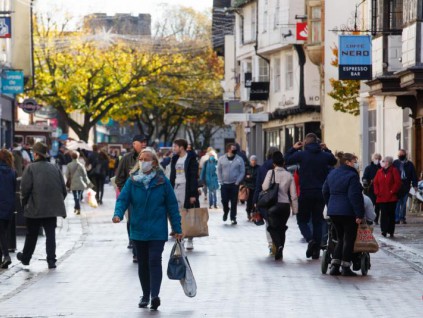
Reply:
x=82, y=7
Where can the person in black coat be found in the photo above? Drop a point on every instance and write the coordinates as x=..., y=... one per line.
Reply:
x=7, y=203
x=250, y=180
x=314, y=161
x=342, y=192
x=368, y=176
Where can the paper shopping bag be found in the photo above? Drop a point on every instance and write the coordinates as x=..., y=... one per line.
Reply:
x=194, y=222
x=365, y=241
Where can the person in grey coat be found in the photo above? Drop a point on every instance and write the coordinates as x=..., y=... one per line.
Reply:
x=79, y=181
x=230, y=172
x=43, y=192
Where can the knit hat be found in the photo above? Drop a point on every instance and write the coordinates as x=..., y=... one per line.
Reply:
x=139, y=138
x=253, y=157
x=40, y=149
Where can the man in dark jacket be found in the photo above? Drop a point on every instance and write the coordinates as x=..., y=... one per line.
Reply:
x=43, y=192
x=368, y=176
x=184, y=178
x=250, y=181
x=409, y=178
x=314, y=163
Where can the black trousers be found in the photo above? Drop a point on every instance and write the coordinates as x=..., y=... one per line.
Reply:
x=230, y=194
x=387, y=217
x=250, y=204
x=4, y=244
x=278, y=215
x=311, y=206
x=33, y=228
x=346, y=232
x=99, y=181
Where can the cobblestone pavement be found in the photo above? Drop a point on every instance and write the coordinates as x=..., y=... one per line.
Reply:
x=95, y=276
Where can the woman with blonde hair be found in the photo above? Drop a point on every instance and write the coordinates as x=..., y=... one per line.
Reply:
x=7, y=202
x=153, y=201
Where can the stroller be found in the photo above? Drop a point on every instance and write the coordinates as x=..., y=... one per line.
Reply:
x=360, y=261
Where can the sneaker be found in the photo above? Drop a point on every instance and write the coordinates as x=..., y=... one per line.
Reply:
x=6, y=262
x=234, y=222
x=190, y=245
x=225, y=216
x=19, y=257
x=144, y=301
x=155, y=303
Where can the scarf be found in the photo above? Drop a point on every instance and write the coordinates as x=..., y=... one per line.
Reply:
x=139, y=176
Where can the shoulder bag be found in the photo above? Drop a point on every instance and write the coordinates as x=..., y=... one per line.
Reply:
x=269, y=197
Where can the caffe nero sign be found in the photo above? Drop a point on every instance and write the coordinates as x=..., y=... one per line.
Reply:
x=355, y=57
x=259, y=91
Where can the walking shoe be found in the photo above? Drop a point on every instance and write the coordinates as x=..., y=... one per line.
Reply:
x=190, y=245
x=384, y=234
x=334, y=270
x=346, y=271
x=316, y=252
x=234, y=222
x=78, y=212
x=19, y=257
x=309, y=251
x=279, y=253
x=143, y=302
x=215, y=207
x=225, y=216
x=6, y=262
x=134, y=259
x=51, y=264
x=403, y=221
x=131, y=246
x=391, y=234
x=155, y=303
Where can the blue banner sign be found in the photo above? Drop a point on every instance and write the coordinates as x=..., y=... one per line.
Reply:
x=5, y=27
x=355, y=57
x=12, y=82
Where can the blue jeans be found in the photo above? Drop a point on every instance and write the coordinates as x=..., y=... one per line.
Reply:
x=77, y=196
x=212, y=197
x=149, y=255
x=401, y=208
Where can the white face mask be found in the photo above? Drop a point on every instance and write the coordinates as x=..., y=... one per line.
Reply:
x=146, y=166
x=382, y=164
x=376, y=162
x=356, y=165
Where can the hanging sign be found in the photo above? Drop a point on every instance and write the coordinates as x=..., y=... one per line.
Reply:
x=12, y=82
x=29, y=106
x=302, y=31
x=5, y=28
x=259, y=91
x=355, y=57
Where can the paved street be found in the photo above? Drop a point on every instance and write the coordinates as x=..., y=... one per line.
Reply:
x=95, y=276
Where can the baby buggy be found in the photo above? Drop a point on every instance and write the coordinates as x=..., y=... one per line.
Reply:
x=360, y=261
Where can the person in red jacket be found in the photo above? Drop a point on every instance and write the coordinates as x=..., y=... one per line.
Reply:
x=387, y=183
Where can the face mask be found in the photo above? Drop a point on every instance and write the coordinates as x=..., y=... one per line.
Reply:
x=376, y=162
x=402, y=157
x=146, y=166
x=382, y=164
x=356, y=165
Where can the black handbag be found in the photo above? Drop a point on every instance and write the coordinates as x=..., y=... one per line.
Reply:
x=176, y=268
x=269, y=197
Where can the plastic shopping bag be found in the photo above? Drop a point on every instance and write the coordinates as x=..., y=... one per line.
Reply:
x=188, y=283
x=92, y=202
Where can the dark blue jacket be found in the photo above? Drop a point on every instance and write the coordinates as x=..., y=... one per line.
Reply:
x=368, y=175
x=7, y=191
x=261, y=175
x=343, y=192
x=410, y=173
x=314, y=167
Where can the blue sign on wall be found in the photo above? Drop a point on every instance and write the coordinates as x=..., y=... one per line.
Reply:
x=12, y=82
x=5, y=27
x=355, y=57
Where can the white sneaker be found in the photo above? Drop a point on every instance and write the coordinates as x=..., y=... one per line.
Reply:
x=190, y=245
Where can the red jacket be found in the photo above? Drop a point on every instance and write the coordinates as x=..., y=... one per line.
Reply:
x=387, y=184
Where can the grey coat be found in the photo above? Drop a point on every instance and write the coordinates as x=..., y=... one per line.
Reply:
x=43, y=191
x=78, y=175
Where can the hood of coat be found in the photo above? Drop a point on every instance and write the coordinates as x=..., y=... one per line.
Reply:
x=4, y=168
x=157, y=180
x=313, y=147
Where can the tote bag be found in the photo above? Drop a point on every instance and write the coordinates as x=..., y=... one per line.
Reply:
x=365, y=242
x=194, y=222
x=176, y=268
x=269, y=197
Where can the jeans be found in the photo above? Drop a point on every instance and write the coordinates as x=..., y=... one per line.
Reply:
x=387, y=217
x=401, y=208
x=149, y=255
x=77, y=195
x=4, y=244
x=99, y=181
x=212, y=197
x=33, y=229
x=346, y=232
x=311, y=206
x=278, y=215
x=230, y=194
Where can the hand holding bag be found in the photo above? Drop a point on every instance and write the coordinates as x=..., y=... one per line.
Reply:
x=176, y=268
x=365, y=242
x=269, y=197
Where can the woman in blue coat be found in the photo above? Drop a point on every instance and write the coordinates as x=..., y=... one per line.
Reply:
x=209, y=176
x=7, y=202
x=153, y=201
x=343, y=195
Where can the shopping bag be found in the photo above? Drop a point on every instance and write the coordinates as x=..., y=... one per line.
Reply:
x=92, y=202
x=365, y=241
x=269, y=197
x=243, y=193
x=257, y=218
x=188, y=283
x=176, y=268
x=194, y=222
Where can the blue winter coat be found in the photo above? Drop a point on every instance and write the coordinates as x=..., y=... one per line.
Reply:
x=209, y=174
x=343, y=192
x=7, y=191
x=150, y=208
x=314, y=167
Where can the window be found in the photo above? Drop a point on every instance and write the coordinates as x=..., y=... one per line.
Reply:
x=387, y=16
x=253, y=23
x=289, y=79
x=277, y=75
x=316, y=25
x=263, y=71
x=372, y=133
x=277, y=13
x=272, y=139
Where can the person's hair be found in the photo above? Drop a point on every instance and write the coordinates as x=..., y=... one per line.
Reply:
x=7, y=157
x=278, y=159
x=270, y=152
x=311, y=138
x=103, y=155
x=389, y=159
x=181, y=143
x=345, y=156
x=74, y=154
x=229, y=146
x=404, y=151
x=378, y=155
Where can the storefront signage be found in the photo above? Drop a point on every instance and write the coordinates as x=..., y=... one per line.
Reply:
x=29, y=106
x=259, y=91
x=12, y=82
x=5, y=28
x=355, y=57
x=248, y=77
x=302, y=31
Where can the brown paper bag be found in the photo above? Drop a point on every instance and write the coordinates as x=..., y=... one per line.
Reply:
x=194, y=222
x=365, y=241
